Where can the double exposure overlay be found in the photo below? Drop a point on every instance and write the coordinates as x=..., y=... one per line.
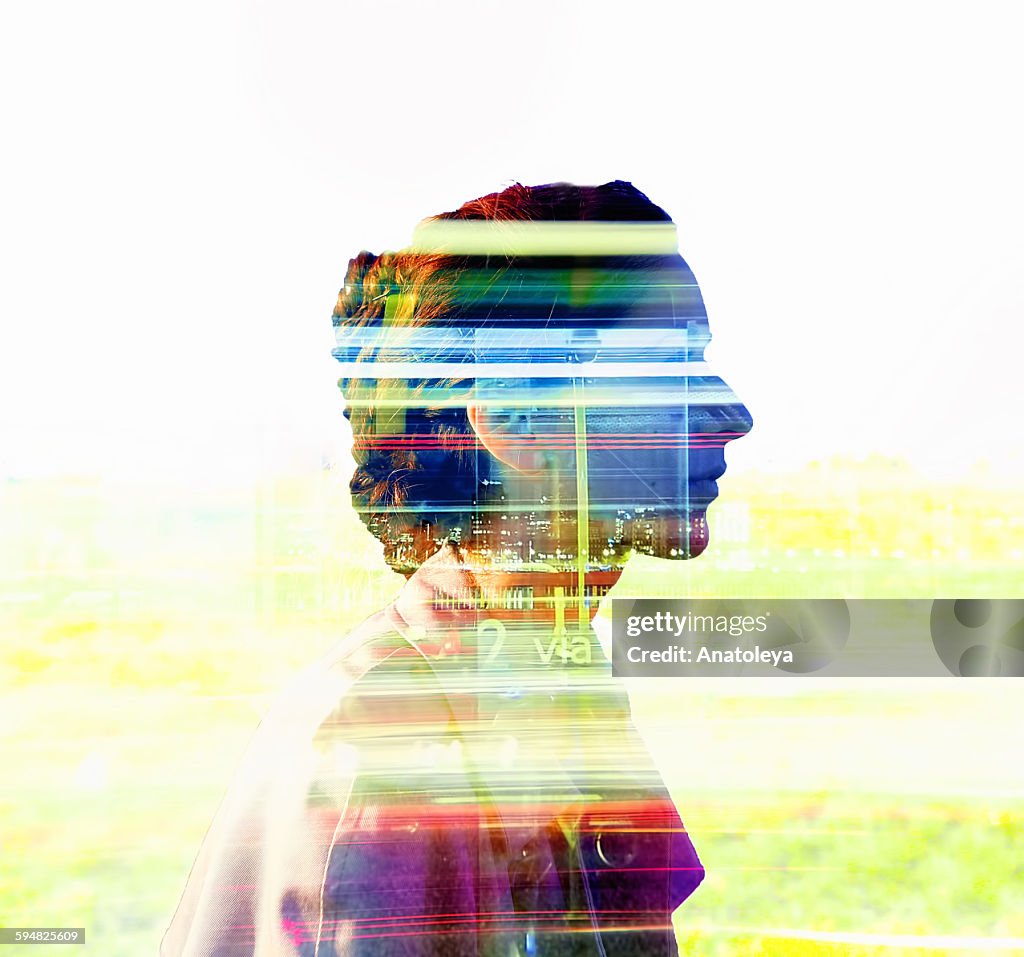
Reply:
x=529, y=406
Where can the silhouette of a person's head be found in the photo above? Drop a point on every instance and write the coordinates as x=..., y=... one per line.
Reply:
x=527, y=382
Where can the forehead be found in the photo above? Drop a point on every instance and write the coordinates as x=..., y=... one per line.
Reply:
x=522, y=318
x=544, y=292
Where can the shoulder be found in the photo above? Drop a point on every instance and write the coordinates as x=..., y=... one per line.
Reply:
x=373, y=677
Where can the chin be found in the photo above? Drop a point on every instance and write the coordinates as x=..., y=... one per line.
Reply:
x=700, y=533
x=687, y=537
x=699, y=536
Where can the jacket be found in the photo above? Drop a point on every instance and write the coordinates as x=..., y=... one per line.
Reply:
x=412, y=794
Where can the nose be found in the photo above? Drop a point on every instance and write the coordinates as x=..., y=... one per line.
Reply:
x=720, y=413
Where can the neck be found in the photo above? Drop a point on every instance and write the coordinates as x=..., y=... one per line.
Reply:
x=459, y=588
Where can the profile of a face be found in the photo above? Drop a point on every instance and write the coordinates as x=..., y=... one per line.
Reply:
x=528, y=382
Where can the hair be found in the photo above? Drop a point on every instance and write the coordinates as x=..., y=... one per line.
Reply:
x=423, y=460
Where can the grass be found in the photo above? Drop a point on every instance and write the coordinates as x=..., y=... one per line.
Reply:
x=139, y=652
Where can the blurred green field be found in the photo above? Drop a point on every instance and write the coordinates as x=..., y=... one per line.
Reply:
x=111, y=793
x=144, y=631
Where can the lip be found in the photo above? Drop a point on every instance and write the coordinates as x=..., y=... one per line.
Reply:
x=714, y=467
x=702, y=492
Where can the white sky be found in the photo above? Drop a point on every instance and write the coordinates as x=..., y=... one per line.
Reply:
x=184, y=183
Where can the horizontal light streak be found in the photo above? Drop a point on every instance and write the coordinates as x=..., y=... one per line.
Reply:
x=494, y=922
x=552, y=441
x=859, y=939
x=523, y=352
x=481, y=238
x=631, y=809
x=570, y=797
x=612, y=394
x=545, y=337
x=521, y=370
